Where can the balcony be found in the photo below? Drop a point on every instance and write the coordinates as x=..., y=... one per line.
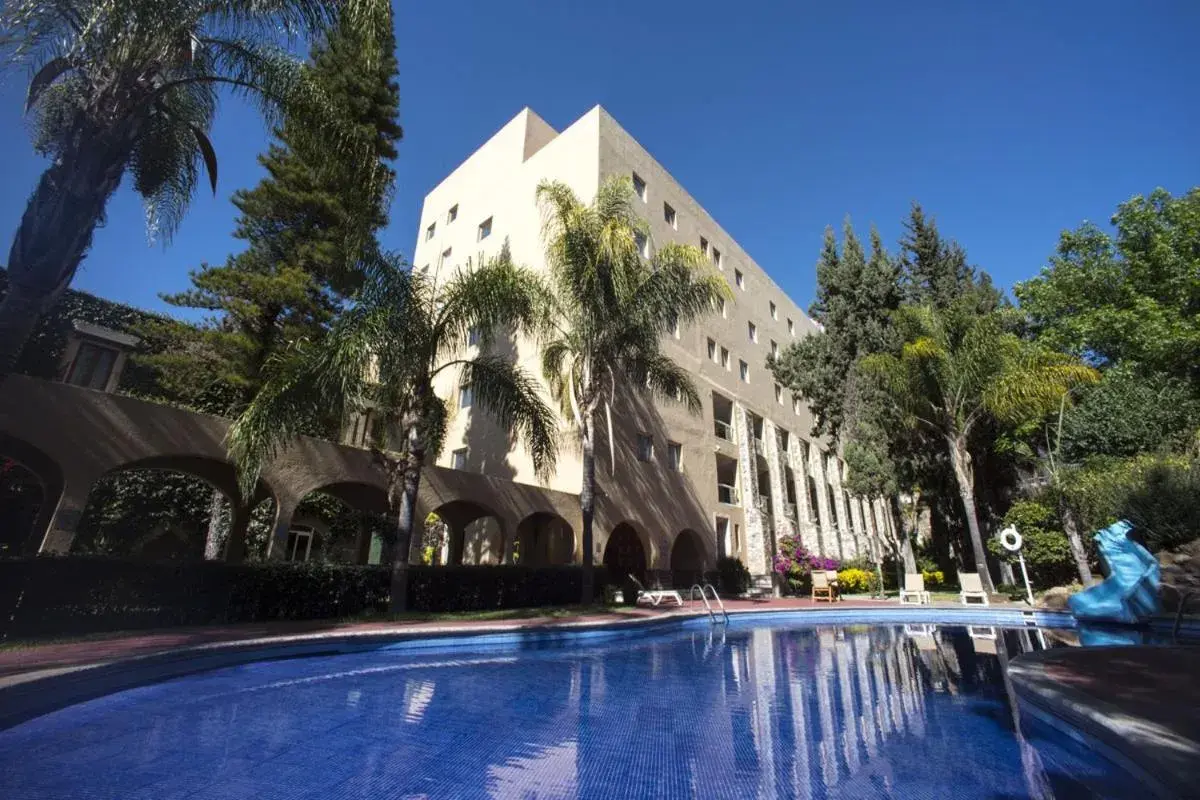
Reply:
x=723, y=430
x=760, y=449
x=789, y=509
x=727, y=494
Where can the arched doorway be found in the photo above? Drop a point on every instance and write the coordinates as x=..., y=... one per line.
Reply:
x=624, y=554
x=687, y=559
x=543, y=539
x=342, y=523
x=462, y=532
x=30, y=486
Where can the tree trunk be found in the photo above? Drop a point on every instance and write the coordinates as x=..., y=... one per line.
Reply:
x=587, y=507
x=55, y=234
x=907, y=537
x=1071, y=528
x=961, y=460
x=216, y=522
x=405, y=521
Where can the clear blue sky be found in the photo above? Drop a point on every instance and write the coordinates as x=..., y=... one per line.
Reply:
x=1009, y=121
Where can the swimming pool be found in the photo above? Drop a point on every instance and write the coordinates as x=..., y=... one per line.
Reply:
x=771, y=707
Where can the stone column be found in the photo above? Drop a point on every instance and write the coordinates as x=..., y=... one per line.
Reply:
x=827, y=539
x=776, y=464
x=63, y=523
x=362, y=542
x=757, y=552
x=235, y=543
x=861, y=542
x=809, y=535
x=845, y=534
x=277, y=545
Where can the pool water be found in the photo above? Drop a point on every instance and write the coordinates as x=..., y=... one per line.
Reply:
x=759, y=711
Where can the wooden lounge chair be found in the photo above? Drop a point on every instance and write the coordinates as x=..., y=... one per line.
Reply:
x=824, y=588
x=971, y=588
x=655, y=596
x=914, y=589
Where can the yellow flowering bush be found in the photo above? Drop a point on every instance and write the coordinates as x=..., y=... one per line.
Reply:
x=933, y=578
x=857, y=581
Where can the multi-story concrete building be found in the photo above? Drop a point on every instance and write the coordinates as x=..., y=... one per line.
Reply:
x=683, y=488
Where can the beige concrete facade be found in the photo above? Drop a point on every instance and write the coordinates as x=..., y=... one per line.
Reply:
x=750, y=472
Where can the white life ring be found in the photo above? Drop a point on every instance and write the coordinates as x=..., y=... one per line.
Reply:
x=1010, y=540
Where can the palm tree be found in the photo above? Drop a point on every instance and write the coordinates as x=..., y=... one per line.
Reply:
x=957, y=369
x=611, y=308
x=384, y=354
x=132, y=86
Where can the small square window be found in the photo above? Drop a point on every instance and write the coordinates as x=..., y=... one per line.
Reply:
x=725, y=358
x=712, y=350
x=485, y=229
x=645, y=447
x=446, y=254
x=473, y=336
x=670, y=217
x=675, y=456
x=724, y=308
x=795, y=404
x=424, y=270
x=744, y=371
x=717, y=258
x=791, y=327
x=639, y=187
x=778, y=394
x=643, y=244
x=704, y=246
x=432, y=229
x=739, y=279
x=774, y=311
x=458, y=459
x=753, y=331
x=465, y=396
x=452, y=214
x=92, y=366
x=774, y=349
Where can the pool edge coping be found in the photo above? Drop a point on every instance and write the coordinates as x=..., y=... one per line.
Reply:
x=25, y=696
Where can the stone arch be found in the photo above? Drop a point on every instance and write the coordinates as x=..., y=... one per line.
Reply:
x=195, y=490
x=627, y=551
x=689, y=558
x=31, y=484
x=342, y=538
x=543, y=538
x=475, y=533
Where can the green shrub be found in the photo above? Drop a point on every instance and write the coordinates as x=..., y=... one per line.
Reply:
x=933, y=578
x=1045, y=547
x=733, y=576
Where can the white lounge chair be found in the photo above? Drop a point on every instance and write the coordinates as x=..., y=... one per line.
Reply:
x=983, y=639
x=971, y=588
x=914, y=588
x=655, y=596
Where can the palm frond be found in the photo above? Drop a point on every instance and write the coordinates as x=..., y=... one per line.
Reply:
x=513, y=397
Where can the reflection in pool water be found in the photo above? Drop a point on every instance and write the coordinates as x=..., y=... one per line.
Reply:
x=779, y=710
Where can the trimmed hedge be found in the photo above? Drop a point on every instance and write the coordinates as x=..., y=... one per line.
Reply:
x=58, y=596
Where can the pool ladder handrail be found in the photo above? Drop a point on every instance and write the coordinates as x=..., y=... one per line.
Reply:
x=704, y=590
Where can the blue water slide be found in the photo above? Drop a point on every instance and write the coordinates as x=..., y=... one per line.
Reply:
x=1130, y=592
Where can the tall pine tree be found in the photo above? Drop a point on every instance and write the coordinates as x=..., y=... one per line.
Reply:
x=308, y=224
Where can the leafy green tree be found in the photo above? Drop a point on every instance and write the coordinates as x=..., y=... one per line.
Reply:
x=308, y=223
x=384, y=354
x=611, y=309
x=1126, y=414
x=1045, y=548
x=132, y=86
x=956, y=371
x=1132, y=299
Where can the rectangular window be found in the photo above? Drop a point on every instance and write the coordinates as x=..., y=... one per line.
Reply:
x=704, y=246
x=485, y=229
x=670, y=217
x=778, y=394
x=791, y=328
x=452, y=214
x=92, y=366
x=724, y=358
x=675, y=456
x=744, y=371
x=645, y=447
x=752, y=329
x=465, y=396
x=774, y=311
x=643, y=244
x=717, y=258
x=639, y=187
x=712, y=350
x=739, y=279
x=299, y=543
x=724, y=308
x=774, y=349
x=446, y=255
x=430, y=231
x=458, y=459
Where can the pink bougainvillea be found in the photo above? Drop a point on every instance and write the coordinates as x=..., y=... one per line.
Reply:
x=795, y=564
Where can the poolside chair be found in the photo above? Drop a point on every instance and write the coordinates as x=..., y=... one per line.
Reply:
x=971, y=588
x=914, y=589
x=835, y=583
x=983, y=639
x=655, y=596
x=822, y=587
x=924, y=636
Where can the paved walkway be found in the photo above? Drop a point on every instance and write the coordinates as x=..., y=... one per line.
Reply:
x=1140, y=701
